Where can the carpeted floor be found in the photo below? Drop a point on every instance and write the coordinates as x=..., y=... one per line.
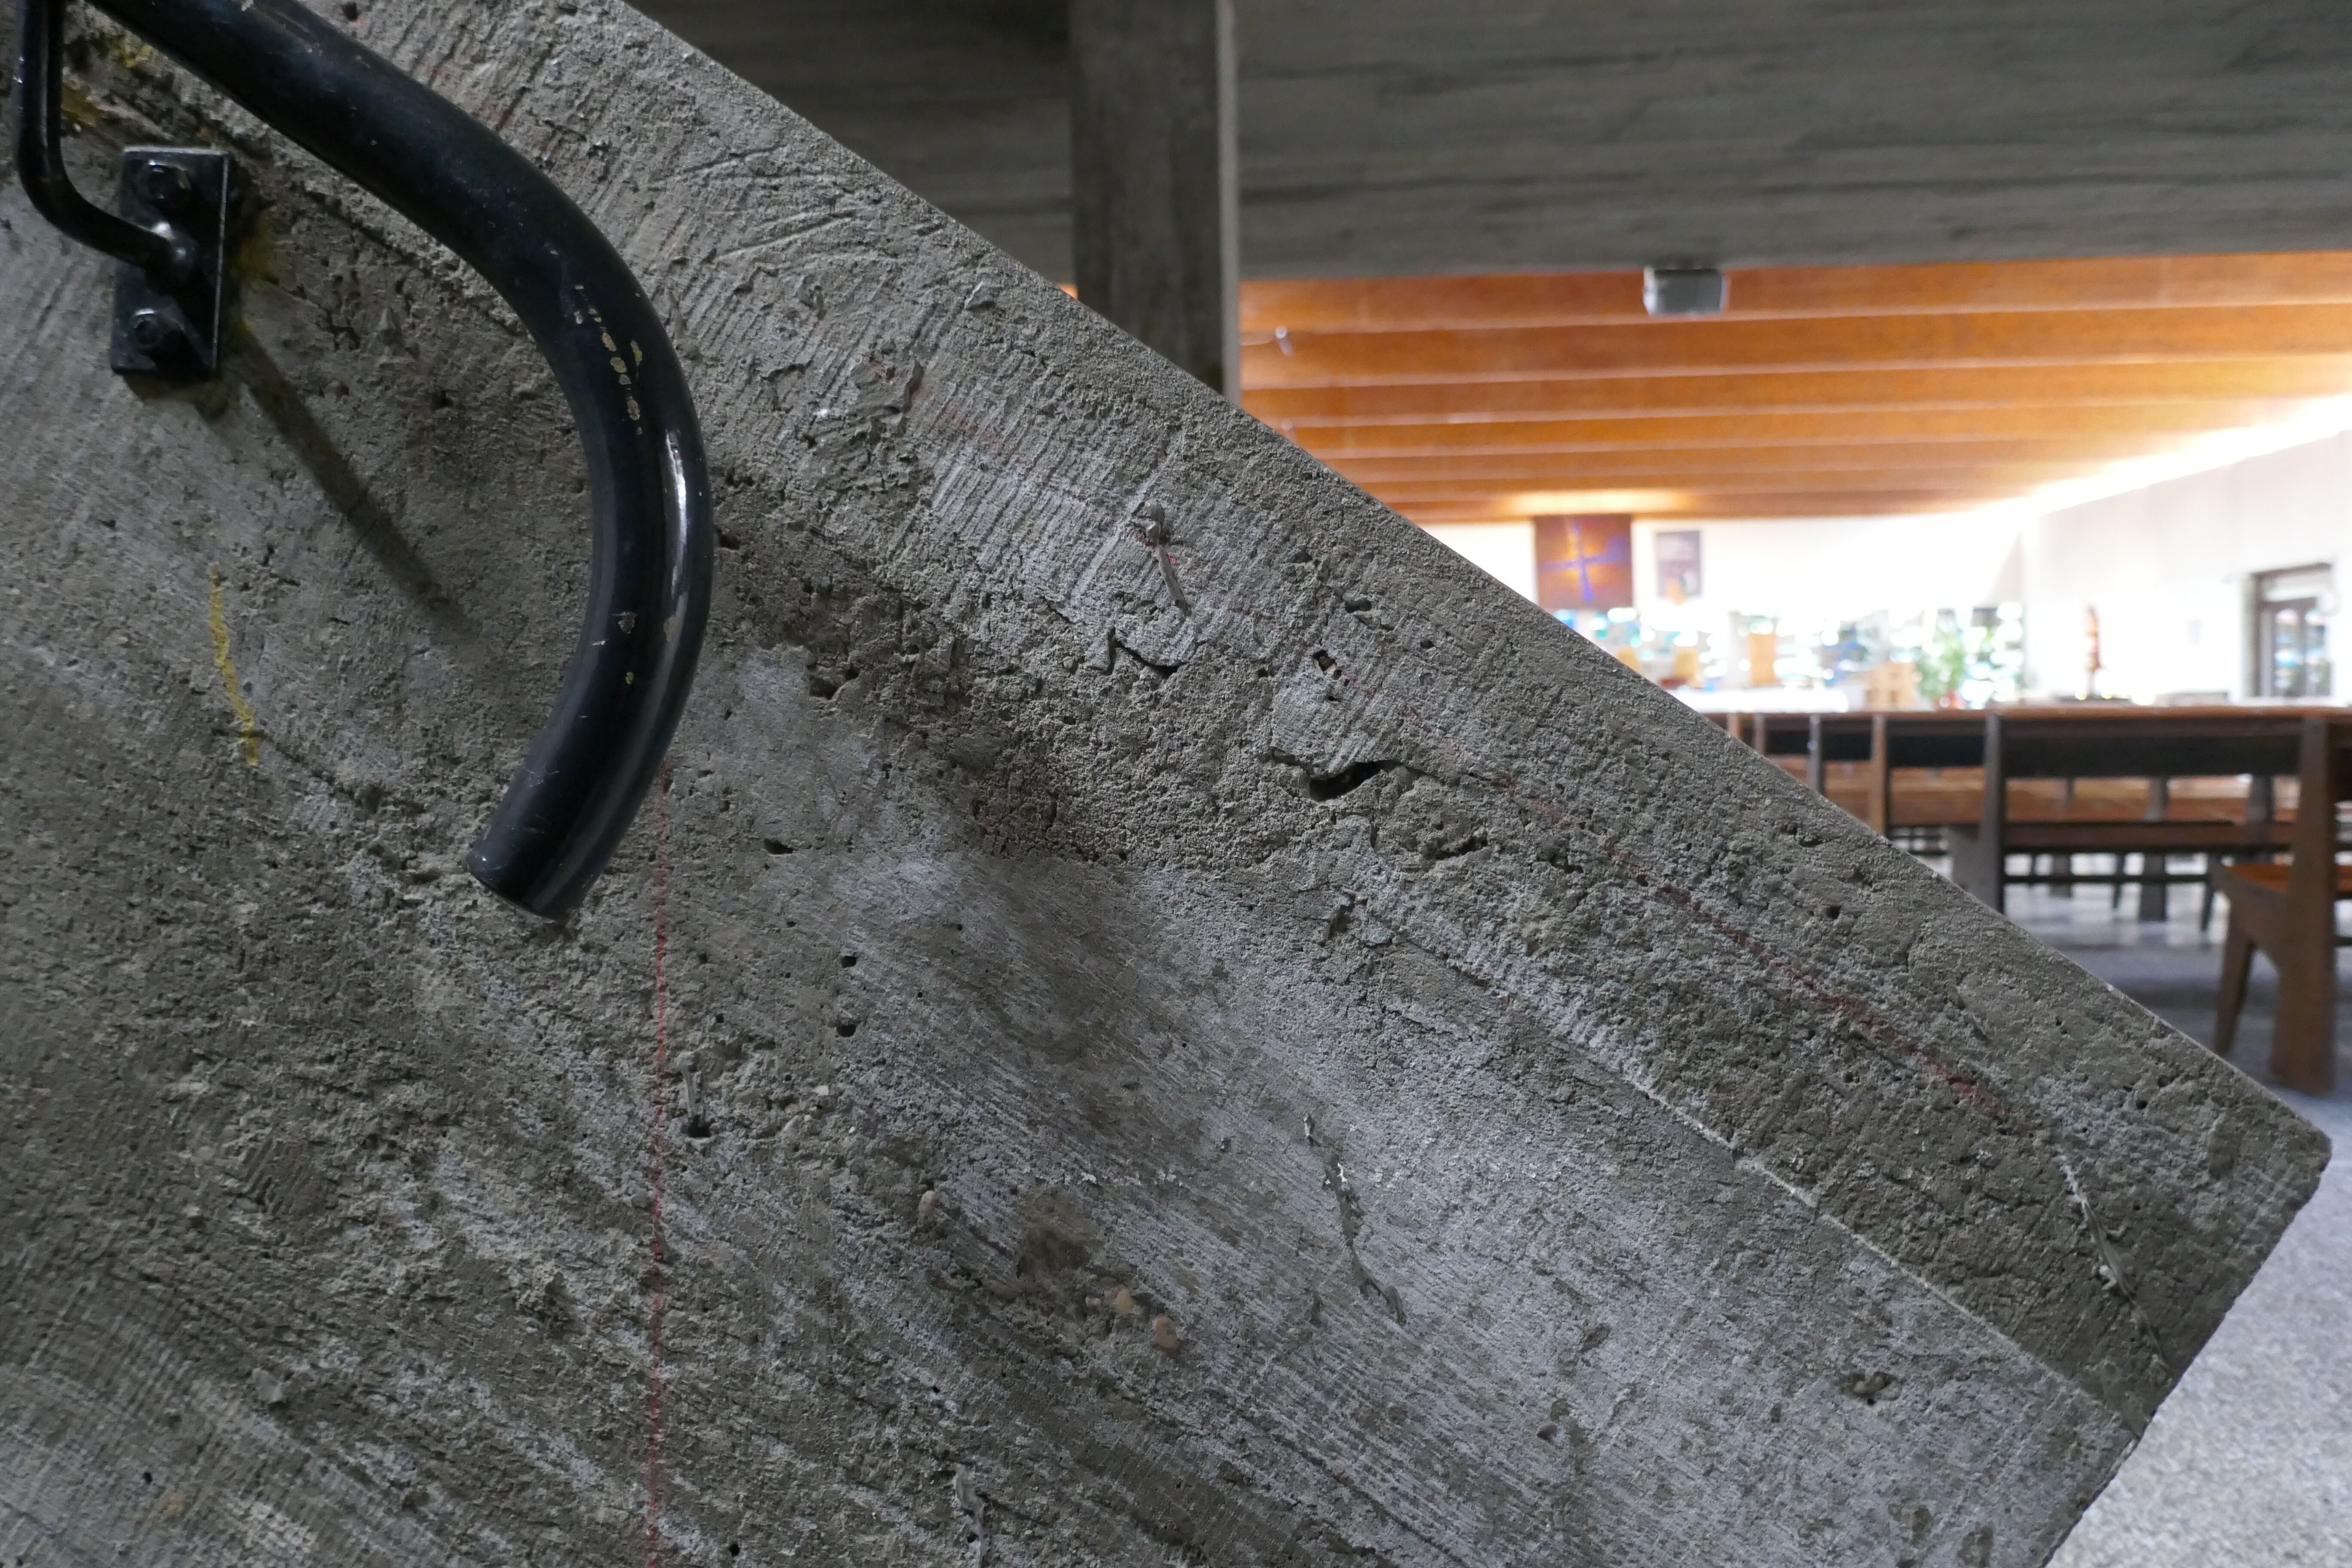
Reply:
x=2249, y=1463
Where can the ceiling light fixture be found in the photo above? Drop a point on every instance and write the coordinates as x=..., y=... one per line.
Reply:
x=1684, y=290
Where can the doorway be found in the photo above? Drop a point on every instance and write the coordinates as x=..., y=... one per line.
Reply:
x=2292, y=611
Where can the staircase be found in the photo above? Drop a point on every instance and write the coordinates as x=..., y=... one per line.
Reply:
x=1197, y=1027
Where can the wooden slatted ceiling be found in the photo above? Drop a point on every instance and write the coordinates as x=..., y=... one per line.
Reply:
x=1831, y=391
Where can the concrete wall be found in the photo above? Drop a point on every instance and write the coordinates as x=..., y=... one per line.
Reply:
x=1394, y=136
x=2166, y=567
x=1546, y=1132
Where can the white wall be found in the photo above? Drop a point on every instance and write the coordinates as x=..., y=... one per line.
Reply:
x=1813, y=569
x=1504, y=551
x=2167, y=568
x=1828, y=569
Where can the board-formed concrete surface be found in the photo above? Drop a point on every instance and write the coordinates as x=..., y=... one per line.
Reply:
x=2250, y=1461
x=1397, y=136
x=1306, y=1063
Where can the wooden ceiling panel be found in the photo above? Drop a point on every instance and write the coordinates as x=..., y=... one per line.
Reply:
x=1375, y=474
x=2146, y=424
x=1993, y=478
x=2095, y=385
x=1690, y=346
x=1583, y=299
x=1864, y=390
x=1701, y=505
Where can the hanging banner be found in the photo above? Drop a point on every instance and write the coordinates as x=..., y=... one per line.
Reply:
x=1584, y=562
x=1678, y=565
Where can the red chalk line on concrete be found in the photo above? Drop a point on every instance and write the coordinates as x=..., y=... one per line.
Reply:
x=661, y=1063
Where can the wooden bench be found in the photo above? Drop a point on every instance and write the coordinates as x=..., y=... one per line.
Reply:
x=1926, y=769
x=1873, y=764
x=2288, y=913
x=1887, y=742
x=2115, y=743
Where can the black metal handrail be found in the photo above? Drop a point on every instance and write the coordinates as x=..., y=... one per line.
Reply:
x=37, y=143
x=649, y=581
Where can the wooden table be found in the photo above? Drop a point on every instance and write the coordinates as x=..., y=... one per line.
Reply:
x=2100, y=779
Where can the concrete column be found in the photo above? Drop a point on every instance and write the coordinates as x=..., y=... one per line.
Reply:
x=1156, y=229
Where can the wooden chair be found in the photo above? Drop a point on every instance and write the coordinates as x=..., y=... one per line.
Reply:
x=2287, y=911
x=2262, y=804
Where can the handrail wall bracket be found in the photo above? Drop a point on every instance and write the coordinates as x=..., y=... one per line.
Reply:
x=171, y=329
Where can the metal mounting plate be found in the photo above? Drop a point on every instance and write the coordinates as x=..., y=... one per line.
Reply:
x=173, y=335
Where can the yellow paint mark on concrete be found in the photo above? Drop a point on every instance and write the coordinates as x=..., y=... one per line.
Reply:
x=249, y=728
x=133, y=54
x=76, y=105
